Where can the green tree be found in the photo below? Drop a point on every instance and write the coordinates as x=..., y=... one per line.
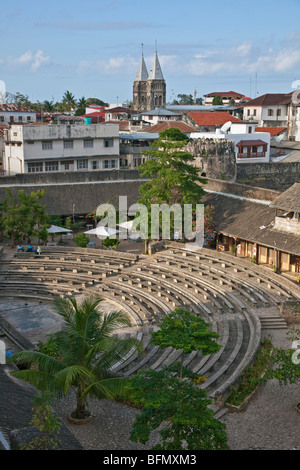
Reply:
x=180, y=409
x=81, y=105
x=22, y=100
x=217, y=100
x=68, y=101
x=88, y=351
x=177, y=403
x=46, y=423
x=19, y=214
x=111, y=243
x=182, y=330
x=48, y=106
x=173, y=176
x=91, y=101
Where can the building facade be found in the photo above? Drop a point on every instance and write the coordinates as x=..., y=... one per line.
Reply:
x=59, y=148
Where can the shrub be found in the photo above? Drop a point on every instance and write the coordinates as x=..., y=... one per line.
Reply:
x=81, y=240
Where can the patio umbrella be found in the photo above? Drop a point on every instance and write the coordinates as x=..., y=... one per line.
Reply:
x=102, y=231
x=56, y=229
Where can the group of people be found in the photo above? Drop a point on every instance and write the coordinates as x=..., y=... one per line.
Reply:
x=29, y=248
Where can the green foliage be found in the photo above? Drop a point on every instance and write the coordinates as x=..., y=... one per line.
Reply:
x=46, y=423
x=181, y=329
x=252, y=375
x=184, y=99
x=173, y=178
x=217, y=100
x=19, y=214
x=81, y=240
x=181, y=409
x=86, y=352
x=110, y=243
x=284, y=365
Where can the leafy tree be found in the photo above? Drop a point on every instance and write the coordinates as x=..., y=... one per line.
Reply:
x=173, y=177
x=46, y=423
x=19, y=214
x=88, y=351
x=181, y=329
x=22, y=100
x=177, y=403
x=184, y=99
x=91, y=101
x=179, y=409
x=217, y=100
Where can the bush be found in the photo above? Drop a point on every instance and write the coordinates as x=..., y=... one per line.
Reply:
x=81, y=240
x=110, y=243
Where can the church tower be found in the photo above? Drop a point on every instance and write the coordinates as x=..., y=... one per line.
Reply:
x=149, y=91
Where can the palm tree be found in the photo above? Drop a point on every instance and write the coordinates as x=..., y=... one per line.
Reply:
x=69, y=100
x=86, y=354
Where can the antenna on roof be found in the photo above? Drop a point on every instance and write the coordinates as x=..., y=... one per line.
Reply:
x=142, y=49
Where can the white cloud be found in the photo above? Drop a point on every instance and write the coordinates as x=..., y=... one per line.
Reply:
x=27, y=59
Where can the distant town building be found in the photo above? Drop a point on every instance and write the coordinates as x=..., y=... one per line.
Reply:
x=15, y=114
x=58, y=148
x=228, y=97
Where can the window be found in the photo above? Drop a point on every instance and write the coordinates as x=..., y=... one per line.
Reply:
x=28, y=118
x=68, y=144
x=11, y=119
x=270, y=112
x=248, y=112
x=82, y=164
x=109, y=164
x=123, y=162
x=278, y=112
x=35, y=167
x=254, y=112
x=108, y=143
x=1, y=118
x=95, y=164
x=88, y=143
x=250, y=129
x=47, y=145
x=30, y=142
x=66, y=164
x=20, y=118
x=51, y=166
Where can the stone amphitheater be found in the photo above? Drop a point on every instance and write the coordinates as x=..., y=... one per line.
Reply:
x=239, y=300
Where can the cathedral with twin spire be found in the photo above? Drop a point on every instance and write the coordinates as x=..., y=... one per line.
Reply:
x=149, y=90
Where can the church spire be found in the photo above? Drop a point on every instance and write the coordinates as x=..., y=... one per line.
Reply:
x=156, y=72
x=142, y=74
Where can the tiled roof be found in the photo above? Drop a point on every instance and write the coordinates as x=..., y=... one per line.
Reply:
x=124, y=125
x=227, y=94
x=270, y=99
x=16, y=108
x=289, y=200
x=2, y=128
x=248, y=143
x=213, y=118
x=182, y=126
x=272, y=130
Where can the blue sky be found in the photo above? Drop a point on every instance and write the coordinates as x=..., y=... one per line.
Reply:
x=93, y=48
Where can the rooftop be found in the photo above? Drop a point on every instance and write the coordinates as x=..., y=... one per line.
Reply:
x=182, y=126
x=289, y=200
x=212, y=118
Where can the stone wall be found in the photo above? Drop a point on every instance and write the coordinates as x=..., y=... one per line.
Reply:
x=277, y=176
x=214, y=157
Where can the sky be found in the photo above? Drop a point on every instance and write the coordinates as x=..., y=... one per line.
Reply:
x=93, y=48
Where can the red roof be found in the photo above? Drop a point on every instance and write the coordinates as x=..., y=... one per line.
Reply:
x=182, y=126
x=96, y=114
x=227, y=94
x=270, y=99
x=272, y=130
x=250, y=143
x=212, y=118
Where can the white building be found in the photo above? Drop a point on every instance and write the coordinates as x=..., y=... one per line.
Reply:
x=56, y=148
x=15, y=114
x=250, y=147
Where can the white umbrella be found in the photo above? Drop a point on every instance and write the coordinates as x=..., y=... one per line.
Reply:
x=56, y=229
x=102, y=231
x=128, y=225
